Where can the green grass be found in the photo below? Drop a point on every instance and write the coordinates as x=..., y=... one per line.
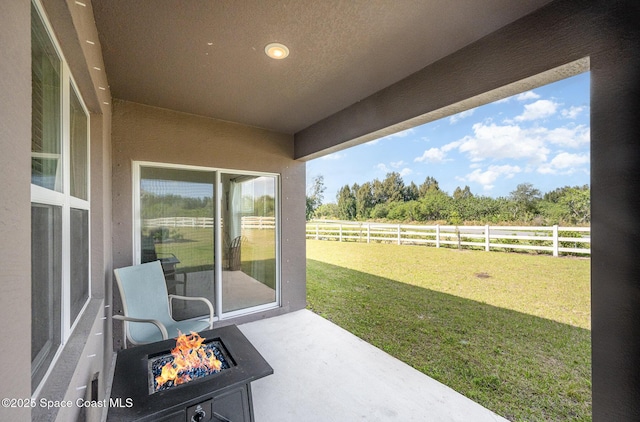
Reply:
x=194, y=249
x=509, y=331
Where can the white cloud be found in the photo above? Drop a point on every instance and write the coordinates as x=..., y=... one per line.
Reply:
x=564, y=163
x=383, y=167
x=452, y=145
x=502, y=142
x=529, y=95
x=397, y=164
x=512, y=142
x=572, y=112
x=386, y=169
x=488, y=177
x=405, y=171
x=432, y=155
x=334, y=156
x=565, y=160
x=463, y=115
x=537, y=110
x=571, y=136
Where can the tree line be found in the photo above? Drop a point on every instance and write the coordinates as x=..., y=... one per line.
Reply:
x=391, y=199
x=171, y=205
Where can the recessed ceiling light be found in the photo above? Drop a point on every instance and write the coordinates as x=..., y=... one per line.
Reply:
x=276, y=51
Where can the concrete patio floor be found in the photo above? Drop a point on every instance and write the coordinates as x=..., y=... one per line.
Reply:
x=324, y=373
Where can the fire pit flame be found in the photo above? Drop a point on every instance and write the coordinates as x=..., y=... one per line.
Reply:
x=190, y=359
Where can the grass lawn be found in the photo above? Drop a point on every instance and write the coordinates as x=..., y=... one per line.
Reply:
x=194, y=249
x=510, y=331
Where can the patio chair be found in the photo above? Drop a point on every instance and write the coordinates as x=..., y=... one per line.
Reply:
x=168, y=261
x=148, y=306
x=235, y=263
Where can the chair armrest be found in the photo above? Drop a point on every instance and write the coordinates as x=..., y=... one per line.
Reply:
x=167, y=254
x=161, y=327
x=201, y=299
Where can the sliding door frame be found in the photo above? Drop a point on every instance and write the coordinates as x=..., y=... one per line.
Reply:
x=217, y=237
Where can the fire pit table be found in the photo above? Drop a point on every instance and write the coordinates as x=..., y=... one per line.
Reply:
x=222, y=394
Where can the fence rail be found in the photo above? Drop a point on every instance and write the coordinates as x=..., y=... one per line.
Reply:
x=248, y=222
x=555, y=239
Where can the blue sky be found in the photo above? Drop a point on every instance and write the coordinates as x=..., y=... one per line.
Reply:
x=540, y=137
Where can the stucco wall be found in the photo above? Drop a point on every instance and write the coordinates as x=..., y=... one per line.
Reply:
x=143, y=133
x=15, y=211
x=84, y=353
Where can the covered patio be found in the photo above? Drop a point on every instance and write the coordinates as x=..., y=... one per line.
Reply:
x=185, y=90
x=324, y=373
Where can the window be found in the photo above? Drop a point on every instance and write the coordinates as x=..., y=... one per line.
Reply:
x=46, y=145
x=215, y=233
x=46, y=275
x=60, y=287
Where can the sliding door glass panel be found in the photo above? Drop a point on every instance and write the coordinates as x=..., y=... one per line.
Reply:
x=79, y=288
x=249, y=241
x=46, y=284
x=46, y=162
x=177, y=228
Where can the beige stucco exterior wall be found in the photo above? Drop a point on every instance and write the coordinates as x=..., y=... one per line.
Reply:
x=15, y=221
x=88, y=350
x=143, y=133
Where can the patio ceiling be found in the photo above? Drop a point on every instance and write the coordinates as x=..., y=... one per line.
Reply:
x=207, y=58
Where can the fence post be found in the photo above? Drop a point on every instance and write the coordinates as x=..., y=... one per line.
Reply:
x=399, y=235
x=368, y=232
x=437, y=235
x=486, y=238
x=317, y=231
x=555, y=240
x=340, y=238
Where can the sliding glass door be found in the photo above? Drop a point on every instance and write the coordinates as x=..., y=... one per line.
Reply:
x=249, y=233
x=214, y=239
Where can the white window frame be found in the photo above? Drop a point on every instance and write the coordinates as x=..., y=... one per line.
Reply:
x=137, y=230
x=64, y=199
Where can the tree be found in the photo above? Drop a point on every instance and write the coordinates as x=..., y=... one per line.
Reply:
x=393, y=187
x=525, y=193
x=435, y=205
x=378, y=193
x=462, y=193
x=578, y=205
x=329, y=210
x=525, y=199
x=364, y=201
x=429, y=184
x=315, y=196
x=346, y=204
x=411, y=192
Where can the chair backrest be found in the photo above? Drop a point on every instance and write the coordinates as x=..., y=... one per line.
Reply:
x=148, y=249
x=144, y=295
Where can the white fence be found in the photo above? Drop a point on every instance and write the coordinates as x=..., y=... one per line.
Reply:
x=203, y=222
x=259, y=223
x=555, y=239
x=248, y=222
